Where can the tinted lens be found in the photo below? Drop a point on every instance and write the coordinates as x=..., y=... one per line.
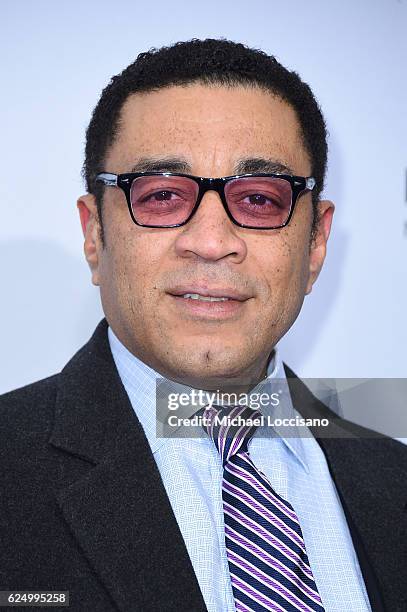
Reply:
x=259, y=201
x=163, y=200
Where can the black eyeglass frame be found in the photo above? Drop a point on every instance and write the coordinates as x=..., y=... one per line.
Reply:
x=299, y=185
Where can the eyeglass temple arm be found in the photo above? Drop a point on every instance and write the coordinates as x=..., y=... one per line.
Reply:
x=107, y=179
x=310, y=183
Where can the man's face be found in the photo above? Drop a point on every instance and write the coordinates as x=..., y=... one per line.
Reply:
x=143, y=272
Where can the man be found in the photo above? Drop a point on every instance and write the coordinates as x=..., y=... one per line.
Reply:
x=199, y=279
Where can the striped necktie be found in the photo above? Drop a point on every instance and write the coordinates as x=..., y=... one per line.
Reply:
x=268, y=563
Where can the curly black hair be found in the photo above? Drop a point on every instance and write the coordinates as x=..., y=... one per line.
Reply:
x=211, y=62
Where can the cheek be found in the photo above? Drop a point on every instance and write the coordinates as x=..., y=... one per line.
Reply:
x=132, y=266
x=296, y=249
x=284, y=268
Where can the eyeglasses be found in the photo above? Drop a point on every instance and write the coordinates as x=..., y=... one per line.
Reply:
x=167, y=199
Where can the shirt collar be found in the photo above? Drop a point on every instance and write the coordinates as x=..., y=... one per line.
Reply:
x=139, y=380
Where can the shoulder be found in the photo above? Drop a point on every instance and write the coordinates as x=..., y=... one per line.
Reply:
x=28, y=460
x=27, y=412
x=349, y=439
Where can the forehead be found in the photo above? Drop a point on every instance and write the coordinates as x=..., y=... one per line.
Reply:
x=210, y=126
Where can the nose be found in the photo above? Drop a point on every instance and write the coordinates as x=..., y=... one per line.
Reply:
x=210, y=234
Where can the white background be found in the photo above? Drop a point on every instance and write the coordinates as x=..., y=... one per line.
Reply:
x=55, y=59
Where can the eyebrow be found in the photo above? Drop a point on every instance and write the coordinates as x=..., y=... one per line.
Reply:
x=260, y=164
x=247, y=165
x=161, y=164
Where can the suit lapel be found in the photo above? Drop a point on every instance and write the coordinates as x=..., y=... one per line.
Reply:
x=118, y=509
x=369, y=472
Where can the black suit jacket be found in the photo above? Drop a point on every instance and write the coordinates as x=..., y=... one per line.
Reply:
x=83, y=507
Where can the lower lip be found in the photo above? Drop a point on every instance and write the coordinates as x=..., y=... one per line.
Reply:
x=211, y=310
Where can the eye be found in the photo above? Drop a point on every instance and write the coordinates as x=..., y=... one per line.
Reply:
x=257, y=198
x=160, y=196
x=261, y=199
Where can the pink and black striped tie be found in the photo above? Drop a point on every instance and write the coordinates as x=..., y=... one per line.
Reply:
x=268, y=563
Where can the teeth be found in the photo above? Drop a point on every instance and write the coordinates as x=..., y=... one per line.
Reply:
x=204, y=298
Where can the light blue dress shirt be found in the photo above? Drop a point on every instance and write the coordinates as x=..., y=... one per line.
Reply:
x=296, y=467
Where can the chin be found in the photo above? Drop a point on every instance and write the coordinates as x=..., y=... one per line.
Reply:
x=209, y=367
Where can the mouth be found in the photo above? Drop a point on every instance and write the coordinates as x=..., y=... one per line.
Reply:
x=209, y=302
x=205, y=293
x=204, y=298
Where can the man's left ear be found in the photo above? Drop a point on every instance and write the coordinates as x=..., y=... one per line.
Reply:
x=318, y=245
